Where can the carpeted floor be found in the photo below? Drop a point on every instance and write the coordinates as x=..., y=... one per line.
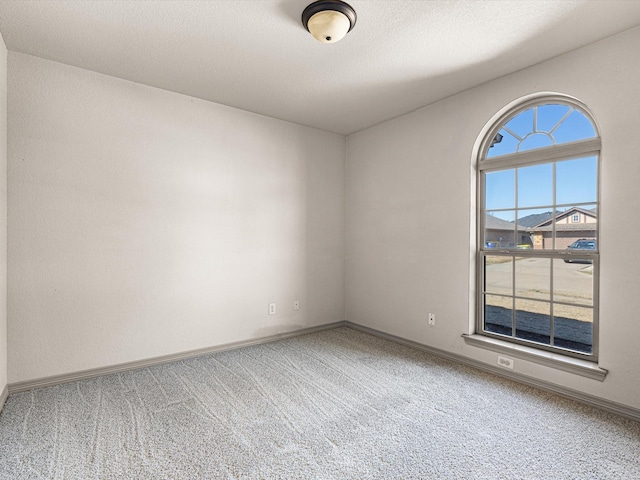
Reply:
x=339, y=404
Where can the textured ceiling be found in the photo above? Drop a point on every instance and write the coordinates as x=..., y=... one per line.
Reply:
x=255, y=55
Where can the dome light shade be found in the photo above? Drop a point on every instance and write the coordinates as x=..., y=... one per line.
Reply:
x=329, y=21
x=328, y=26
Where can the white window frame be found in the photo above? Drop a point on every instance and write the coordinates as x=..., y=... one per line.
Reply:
x=555, y=153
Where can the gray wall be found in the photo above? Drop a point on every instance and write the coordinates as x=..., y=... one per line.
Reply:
x=3, y=216
x=144, y=223
x=411, y=212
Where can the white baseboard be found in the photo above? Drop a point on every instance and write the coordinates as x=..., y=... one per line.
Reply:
x=123, y=367
x=585, y=398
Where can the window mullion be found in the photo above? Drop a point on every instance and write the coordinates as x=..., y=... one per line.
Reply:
x=553, y=236
x=564, y=117
x=551, y=310
x=513, y=258
x=513, y=296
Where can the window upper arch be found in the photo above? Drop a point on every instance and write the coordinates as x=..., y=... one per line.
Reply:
x=543, y=121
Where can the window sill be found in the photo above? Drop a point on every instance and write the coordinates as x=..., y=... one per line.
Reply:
x=549, y=359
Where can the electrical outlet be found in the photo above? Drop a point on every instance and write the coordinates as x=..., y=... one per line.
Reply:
x=296, y=304
x=505, y=362
x=432, y=318
x=272, y=309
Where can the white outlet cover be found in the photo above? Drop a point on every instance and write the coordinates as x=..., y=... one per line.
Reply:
x=505, y=362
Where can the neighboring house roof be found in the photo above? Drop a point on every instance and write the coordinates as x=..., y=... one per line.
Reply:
x=535, y=219
x=495, y=223
x=566, y=213
x=547, y=225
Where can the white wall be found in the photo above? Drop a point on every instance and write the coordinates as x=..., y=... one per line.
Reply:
x=3, y=216
x=410, y=196
x=144, y=223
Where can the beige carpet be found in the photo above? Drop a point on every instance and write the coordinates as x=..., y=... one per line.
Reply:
x=338, y=404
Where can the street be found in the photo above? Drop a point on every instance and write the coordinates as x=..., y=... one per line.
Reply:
x=572, y=283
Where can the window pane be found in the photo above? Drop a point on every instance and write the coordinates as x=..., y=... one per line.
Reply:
x=549, y=116
x=497, y=314
x=572, y=283
x=535, y=186
x=521, y=124
x=499, y=229
x=533, y=278
x=577, y=223
x=575, y=127
x=542, y=236
x=528, y=220
x=508, y=144
x=533, y=217
x=573, y=329
x=523, y=238
x=576, y=181
x=533, y=321
x=498, y=274
x=500, y=189
x=537, y=140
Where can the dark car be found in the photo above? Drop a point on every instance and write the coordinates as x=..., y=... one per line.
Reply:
x=582, y=244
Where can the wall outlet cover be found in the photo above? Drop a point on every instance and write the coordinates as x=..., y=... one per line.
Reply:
x=505, y=362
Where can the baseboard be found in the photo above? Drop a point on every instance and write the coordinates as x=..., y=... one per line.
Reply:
x=587, y=399
x=124, y=367
x=3, y=396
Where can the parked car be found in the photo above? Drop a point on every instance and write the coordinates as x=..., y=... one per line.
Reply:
x=582, y=244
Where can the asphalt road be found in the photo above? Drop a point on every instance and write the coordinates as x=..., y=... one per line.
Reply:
x=572, y=283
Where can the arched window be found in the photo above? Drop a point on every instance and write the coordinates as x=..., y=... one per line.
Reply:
x=538, y=217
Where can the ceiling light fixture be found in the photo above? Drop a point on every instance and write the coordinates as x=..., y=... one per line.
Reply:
x=329, y=20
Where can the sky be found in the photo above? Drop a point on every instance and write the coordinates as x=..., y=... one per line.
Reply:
x=576, y=179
